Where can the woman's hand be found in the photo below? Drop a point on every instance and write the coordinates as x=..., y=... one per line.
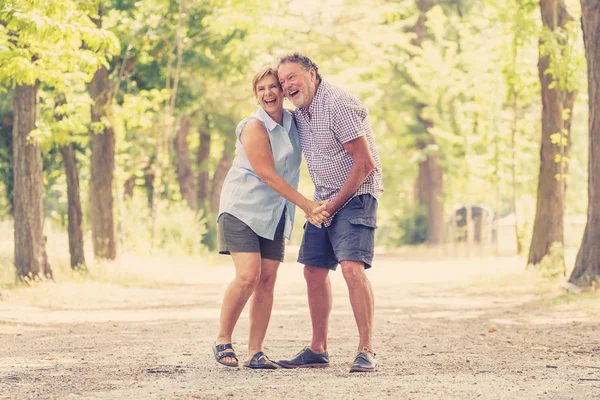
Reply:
x=315, y=212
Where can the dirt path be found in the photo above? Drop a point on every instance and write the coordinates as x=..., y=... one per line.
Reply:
x=438, y=336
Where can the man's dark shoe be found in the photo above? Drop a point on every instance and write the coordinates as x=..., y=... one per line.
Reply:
x=365, y=361
x=306, y=359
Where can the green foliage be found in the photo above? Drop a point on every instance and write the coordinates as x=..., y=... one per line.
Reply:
x=210, y=237
x=407, y=228
x=54, y=42
x=471, y=84
x=55, y=193
x=175, y=230
x=64, y=118
x=6, y=158
x=565, y=49
x=552, y=266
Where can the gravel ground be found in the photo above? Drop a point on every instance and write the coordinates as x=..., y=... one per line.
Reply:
x=454, y=329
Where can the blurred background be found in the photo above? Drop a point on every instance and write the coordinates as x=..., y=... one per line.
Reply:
x=124, y=113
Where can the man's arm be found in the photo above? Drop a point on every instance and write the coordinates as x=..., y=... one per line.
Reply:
x=362, y=165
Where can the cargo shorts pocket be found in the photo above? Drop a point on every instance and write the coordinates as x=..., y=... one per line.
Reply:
x=369, y=222
x=364, y=234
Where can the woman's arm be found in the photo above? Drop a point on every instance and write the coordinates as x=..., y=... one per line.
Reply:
x=255, y=140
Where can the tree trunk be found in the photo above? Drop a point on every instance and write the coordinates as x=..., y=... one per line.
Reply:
x=75, y=215
x=187, y=185
x=587, y=264
x=102, y=169
x=30, y=257
x=431, y=192
x=202, y=161
x=513, y=154
x=128, y=187
x=149, y=182
x=102, y=164
x=548, y=224
x=219, y=179
x=430, y=181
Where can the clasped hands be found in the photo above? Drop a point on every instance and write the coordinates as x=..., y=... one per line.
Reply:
x=316, y=212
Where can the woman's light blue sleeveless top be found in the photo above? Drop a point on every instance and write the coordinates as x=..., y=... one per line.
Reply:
x=245, y=196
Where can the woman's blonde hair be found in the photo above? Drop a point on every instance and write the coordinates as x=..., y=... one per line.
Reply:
x=263, y=72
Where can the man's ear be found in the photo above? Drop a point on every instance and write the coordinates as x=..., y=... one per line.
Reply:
x=313, y=74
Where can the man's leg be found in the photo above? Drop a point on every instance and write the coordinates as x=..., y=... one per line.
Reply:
x=362, y=301
x=261, y=305
x=317, y=256
x=319, y=302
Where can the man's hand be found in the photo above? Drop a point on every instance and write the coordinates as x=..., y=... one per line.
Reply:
x=312, y=215
x=326, y=209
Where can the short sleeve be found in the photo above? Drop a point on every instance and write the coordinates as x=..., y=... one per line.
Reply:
x=242, y=124
x=348, y=117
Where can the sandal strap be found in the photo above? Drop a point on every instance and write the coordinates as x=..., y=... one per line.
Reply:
x=223, y=347
x=260, y=361
x=257, y=357
x=220, y=355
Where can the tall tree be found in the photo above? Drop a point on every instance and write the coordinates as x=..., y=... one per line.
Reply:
x=587, y=264
x=430, y=182
x=187, y=185
x=74, y=213
x=202, y=160
x=557, y=106
x=75, y=216
x=102, y=164
x=41, y=43
x=30, y=244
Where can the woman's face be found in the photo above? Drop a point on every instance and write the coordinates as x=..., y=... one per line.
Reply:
x=269, y=94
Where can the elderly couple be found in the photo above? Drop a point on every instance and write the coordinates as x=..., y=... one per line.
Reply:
x=332, y=129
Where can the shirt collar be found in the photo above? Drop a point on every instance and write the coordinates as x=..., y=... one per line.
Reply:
x=270, y=123
x=264, y=117
x=318, y=99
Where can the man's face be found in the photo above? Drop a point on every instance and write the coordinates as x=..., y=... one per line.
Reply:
x=299, y=85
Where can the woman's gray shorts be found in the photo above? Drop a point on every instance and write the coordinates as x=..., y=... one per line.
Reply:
x=237, y=237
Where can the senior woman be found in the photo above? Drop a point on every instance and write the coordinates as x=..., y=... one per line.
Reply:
x=256, y=214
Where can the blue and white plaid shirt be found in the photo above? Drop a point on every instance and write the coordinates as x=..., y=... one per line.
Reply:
x=336, y=117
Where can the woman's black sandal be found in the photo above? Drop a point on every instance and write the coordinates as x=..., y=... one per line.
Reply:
x=260, y=361
x=220, y=354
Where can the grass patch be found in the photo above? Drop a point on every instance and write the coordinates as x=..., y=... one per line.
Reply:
x=143, y=269
x=548, y=293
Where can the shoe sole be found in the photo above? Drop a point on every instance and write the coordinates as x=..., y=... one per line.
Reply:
x=320, y=365
x=357, y=369
x=263, y=368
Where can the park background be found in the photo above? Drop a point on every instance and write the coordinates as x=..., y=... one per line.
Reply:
x=117, y=123
x=453, y=88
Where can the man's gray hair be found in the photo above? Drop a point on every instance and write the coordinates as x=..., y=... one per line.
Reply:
x=300, y=59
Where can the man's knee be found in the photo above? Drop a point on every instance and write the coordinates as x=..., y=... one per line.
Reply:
x=353, y=271
x=315, y=275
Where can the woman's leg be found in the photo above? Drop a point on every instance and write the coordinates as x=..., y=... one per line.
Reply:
x=261, y=305
x=247, y=275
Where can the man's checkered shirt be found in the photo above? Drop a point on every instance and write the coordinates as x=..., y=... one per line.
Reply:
x=337, y=117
